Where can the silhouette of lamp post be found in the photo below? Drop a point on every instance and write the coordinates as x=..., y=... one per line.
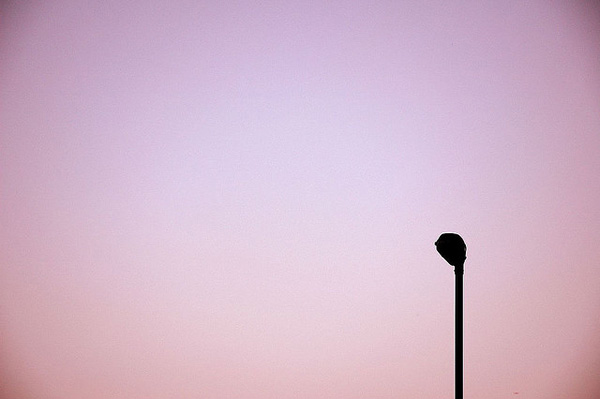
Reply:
x=454, y=250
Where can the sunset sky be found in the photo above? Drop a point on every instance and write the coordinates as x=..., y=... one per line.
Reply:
x=239, y=200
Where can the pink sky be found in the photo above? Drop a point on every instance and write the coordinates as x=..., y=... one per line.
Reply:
x=225, y=200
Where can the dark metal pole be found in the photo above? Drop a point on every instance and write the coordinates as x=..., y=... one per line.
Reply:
x=458, y=384
x=454, y=250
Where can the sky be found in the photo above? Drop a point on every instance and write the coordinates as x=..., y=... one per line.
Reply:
x=236, y=199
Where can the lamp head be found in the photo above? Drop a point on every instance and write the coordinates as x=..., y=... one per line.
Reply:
x=452, y=248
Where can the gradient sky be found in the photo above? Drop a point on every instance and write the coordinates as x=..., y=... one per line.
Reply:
x=235, y=199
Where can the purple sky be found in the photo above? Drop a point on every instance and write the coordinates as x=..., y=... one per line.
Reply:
x=219, y=200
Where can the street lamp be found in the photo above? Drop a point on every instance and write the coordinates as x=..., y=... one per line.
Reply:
x=454, y=250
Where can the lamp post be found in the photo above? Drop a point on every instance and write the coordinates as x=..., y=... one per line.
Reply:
x=454, y=250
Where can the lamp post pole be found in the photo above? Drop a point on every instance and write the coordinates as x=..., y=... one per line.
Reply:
x=454, y=250
x=458, y=326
